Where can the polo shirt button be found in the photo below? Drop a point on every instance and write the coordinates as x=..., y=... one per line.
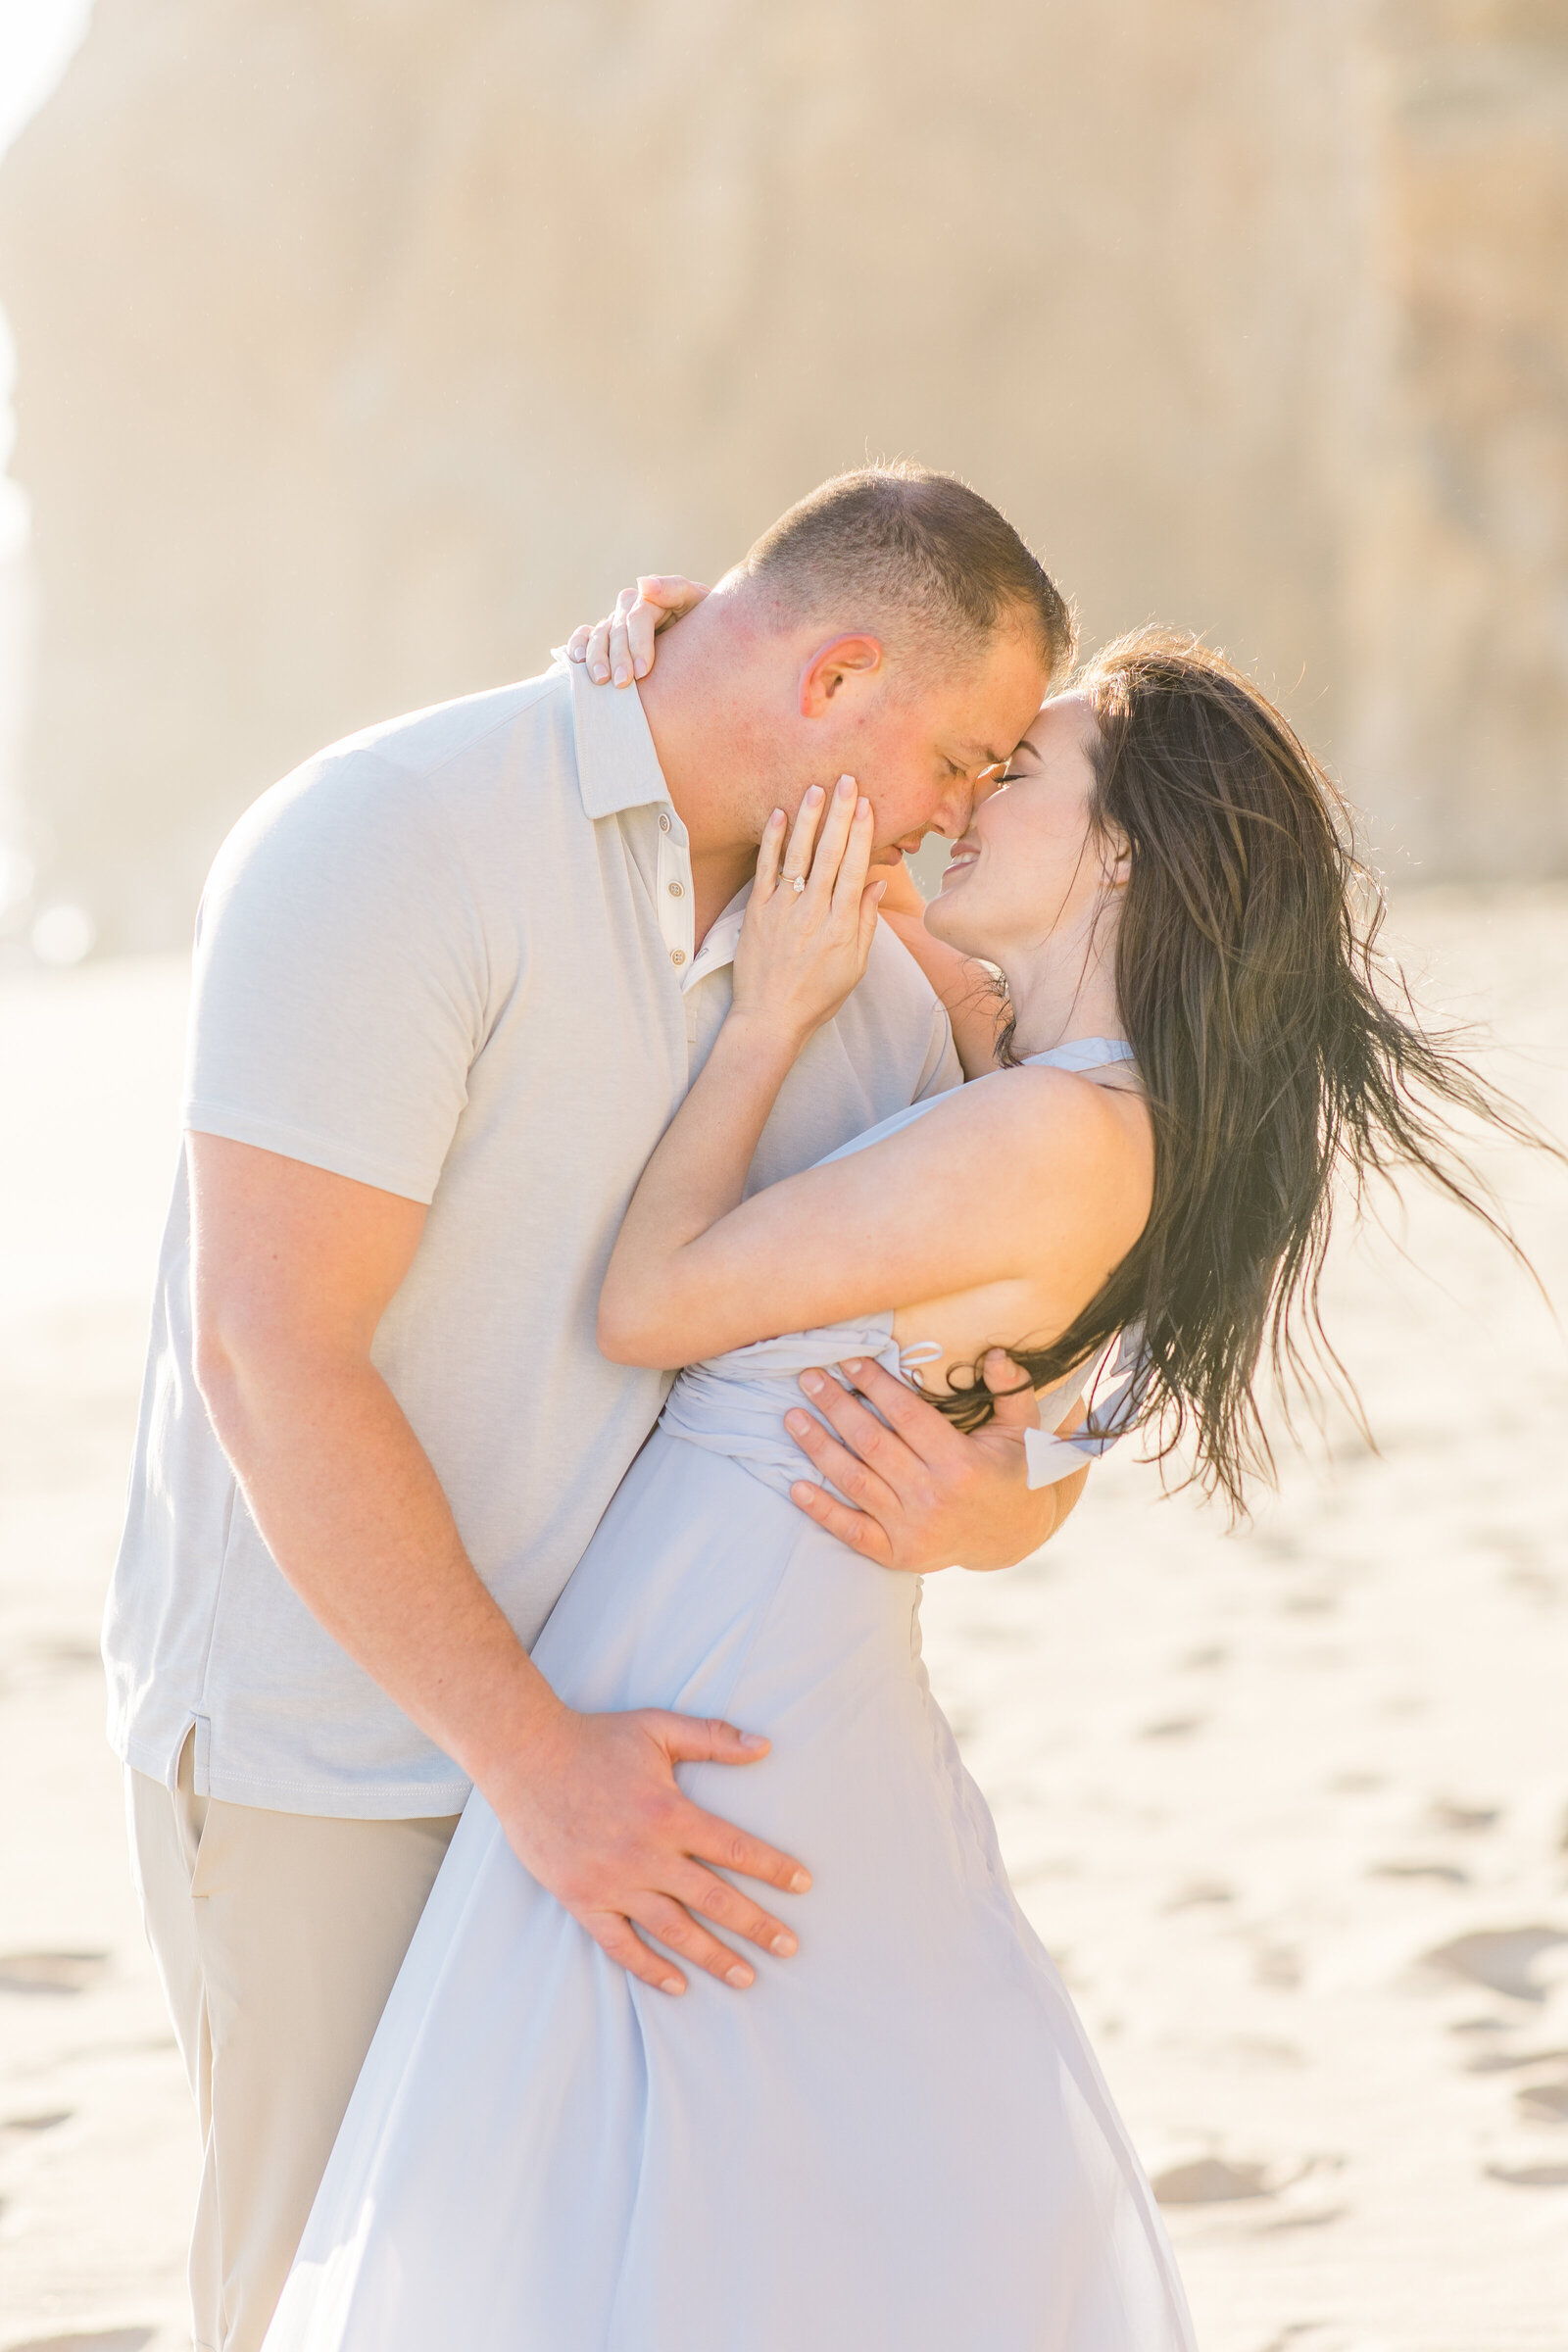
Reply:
x=677, y=954
x=675, y=891
x=664, y=821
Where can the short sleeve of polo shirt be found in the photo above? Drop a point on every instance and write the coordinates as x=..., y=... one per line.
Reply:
x=339, y=995
x=942, y=1070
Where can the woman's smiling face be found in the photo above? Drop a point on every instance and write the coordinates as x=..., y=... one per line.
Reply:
x=1030, y=864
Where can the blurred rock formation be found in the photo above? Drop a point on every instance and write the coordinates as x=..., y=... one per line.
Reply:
x=366, y=345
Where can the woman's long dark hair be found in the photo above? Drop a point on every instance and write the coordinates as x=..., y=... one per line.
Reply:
x=1278, y=1053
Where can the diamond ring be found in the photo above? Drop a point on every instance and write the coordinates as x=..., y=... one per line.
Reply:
x=800, y=884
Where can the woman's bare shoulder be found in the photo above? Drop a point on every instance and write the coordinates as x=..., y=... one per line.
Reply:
x=1047, y=1111
x=1053, y=1135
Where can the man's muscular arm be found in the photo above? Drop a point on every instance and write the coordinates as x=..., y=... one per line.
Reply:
x=293, y=1268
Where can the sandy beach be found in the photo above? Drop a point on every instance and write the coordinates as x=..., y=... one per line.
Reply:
x=1289, y=1806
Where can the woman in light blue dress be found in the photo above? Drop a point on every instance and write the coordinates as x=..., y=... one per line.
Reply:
x=898, y=2137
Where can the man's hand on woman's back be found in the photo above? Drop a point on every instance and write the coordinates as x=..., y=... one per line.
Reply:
x=925, y=1494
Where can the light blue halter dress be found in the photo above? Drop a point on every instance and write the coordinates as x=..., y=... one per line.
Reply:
x=897, y=2142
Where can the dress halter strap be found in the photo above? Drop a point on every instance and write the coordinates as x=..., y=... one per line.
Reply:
x=1084, y=1054
x=1051, y=1458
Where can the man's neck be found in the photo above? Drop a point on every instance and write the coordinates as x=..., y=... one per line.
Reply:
x=693, y=699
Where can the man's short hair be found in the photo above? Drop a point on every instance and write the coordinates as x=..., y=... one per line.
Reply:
x=917, y=557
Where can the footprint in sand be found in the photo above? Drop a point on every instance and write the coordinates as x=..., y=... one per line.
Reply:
x=1447, y=1874
x=118, y=2340
x=1210, y=2181
x=1546, y=2102
x=1198, y=1891
x=70, y=1653
x=1508, y=2062
x=50, y=1971
x=1500, y=1958
x=24, y=2127
x=1446, y=1815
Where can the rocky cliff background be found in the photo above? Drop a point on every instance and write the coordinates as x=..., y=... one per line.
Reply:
x=366, y=345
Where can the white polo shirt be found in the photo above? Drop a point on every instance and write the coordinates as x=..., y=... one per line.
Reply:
x=453, y=957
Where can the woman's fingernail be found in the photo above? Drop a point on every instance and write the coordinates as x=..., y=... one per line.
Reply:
x=853, y=1367
x=846, y=788
x=812, y=1383
x=813, y=795
x=641, y=668
x=622, y=676
x=800, y=1884
x=797, y=1423
x=672, y=1984
x=862, y=807
x=784, y=1945
x=601, y=673
x=879, y=891
x=775, y=820
x=738, y=1976
x=753, y=1740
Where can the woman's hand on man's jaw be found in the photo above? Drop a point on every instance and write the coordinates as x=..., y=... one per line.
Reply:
x=811, y=917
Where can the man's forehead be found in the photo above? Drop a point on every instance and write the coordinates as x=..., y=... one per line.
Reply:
x=993, y=744
x=975, y=754
x=971, y=729
x=990, y=713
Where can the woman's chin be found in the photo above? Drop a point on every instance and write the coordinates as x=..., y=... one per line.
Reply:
x=945, y=919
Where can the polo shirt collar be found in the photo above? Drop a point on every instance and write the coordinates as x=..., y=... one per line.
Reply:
x=617, y=766
x=718, y=948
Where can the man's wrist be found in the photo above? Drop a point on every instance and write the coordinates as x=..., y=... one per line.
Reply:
x=526, y=1741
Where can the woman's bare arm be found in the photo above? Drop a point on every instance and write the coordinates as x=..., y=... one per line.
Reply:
x=1024, y=1179
x=804, y=945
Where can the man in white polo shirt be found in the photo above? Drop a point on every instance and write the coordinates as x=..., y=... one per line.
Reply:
x=452, y=979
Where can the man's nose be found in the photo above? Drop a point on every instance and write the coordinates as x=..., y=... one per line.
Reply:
x=958, y=806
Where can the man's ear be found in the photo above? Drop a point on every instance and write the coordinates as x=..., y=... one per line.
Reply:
x=826, y=674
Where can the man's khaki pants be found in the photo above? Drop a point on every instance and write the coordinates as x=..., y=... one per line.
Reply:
x=277, y=1936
